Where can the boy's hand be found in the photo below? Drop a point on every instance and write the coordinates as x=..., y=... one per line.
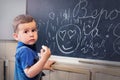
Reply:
x=48, y=65
x=45, y=52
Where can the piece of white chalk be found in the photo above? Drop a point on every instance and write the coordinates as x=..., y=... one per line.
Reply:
x=44, y=48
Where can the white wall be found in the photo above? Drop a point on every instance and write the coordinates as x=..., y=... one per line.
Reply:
x=8, y=10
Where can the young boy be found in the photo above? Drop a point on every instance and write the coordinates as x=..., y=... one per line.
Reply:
x=28, y=66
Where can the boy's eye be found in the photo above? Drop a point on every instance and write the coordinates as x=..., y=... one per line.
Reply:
x=34, y=30
x=25, y=31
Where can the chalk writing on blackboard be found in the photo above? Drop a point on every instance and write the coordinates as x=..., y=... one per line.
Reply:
x=87, y=28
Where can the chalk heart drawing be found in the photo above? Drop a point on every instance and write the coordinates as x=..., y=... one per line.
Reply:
x=68, y=38
x=62, y=34
x=71, y=33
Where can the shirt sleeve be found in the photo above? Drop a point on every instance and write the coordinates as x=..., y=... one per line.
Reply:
x=26, y=57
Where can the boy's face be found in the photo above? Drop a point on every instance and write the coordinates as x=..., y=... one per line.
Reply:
x=27, y=33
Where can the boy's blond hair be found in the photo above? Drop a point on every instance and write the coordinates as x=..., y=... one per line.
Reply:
x=20, y=19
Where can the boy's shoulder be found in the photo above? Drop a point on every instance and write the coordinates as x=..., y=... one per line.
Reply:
x=23, y=48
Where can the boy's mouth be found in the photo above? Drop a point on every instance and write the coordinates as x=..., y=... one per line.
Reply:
x=32, y=40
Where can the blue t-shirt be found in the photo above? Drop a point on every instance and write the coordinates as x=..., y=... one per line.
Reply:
x=26, y=56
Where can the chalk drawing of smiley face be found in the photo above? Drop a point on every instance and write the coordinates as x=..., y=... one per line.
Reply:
x=68, y=38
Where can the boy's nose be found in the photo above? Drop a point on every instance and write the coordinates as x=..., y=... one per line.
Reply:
x=31, y=33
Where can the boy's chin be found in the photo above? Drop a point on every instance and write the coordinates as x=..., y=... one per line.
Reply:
x=31, y=43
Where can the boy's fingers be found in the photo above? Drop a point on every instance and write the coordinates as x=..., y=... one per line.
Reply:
x=51, y=69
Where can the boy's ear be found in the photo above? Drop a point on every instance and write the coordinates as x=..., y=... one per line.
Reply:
x=15, y=36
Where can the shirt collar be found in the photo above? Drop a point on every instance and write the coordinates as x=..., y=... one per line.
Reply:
x=20, y=44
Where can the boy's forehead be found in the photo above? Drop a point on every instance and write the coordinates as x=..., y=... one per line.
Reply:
x=29, y=25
